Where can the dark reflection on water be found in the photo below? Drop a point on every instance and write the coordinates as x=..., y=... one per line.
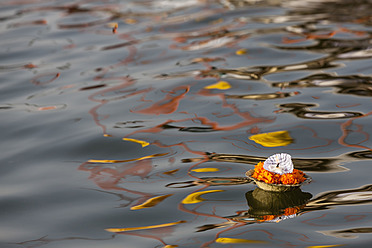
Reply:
x=268, y=207
x=348, y=233
x=265, y=206
x=353, y=85
x=262, y=202
x=211, y=181
x=342, y=197
x=263, y=96
x=133, y=122
x=301, y=110
x=308, y=164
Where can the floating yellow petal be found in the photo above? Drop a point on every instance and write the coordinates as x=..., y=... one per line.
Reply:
x=170, y=246
x=322, y=246
x=196, y=197
x=206, y=170
x=220, y=20
x=241, y=52
x=151, y=202
x=234, y=240
x=273, y=139
x=112, y=25
x=127, y=229
x=141, y=142
x=123, y=161
x=130, y=21
x=221, y=85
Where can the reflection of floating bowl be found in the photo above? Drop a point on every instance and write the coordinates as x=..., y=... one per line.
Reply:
x=276, y=187
x=263, y=202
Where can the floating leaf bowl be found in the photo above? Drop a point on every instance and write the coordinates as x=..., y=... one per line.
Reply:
x=276, y=187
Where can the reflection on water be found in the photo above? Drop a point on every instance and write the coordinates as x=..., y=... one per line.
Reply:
x=301, y=110
x=353, y=85
x=308, y=164
x=210, y=181
x=361, y=195
x=265, y=206
x=271, y=206
x=348, y=233
x=155, y=109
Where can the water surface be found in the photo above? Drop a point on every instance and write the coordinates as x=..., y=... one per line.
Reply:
x=132, y=123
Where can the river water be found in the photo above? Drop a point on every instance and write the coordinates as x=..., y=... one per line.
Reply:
x=132, y=123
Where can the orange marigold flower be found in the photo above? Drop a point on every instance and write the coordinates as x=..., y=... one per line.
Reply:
x=266, y=217
x=266, y=176
x=291, y=211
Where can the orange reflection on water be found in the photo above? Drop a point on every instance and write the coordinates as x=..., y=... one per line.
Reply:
x=93, y=97
x=248, y=118
x=317, y=35
x=168, y=104
x=30, y=23
x=109, y=177
x=346, y=131
x=46, y=78
x=309, y=36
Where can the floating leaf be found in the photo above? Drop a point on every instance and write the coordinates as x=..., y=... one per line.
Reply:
x=196, y=197
x=143, y=143
x=206, y=170
x=221, y=85
x=219, y=20
x=127, y=229
x=130, y=21
x=151, y=202
x=273, y=139
x=123, y=161
x=322, y=246
x=112, y=25
x=47, y=108
x=241, y=52
x=234, y=240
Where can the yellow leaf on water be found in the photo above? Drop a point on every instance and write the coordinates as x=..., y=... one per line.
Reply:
x=234, y=240
x=196, y=197
x=273, y=139
x=141, y=142
x=221, y=85
x=130, y=21
x=127, y=229
x=205, y=170
x=112, y=25
x=106, y=161
x=170, y=246
x=322, y=246
x=151, y=202
x=220, y=20
x=241, y=52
